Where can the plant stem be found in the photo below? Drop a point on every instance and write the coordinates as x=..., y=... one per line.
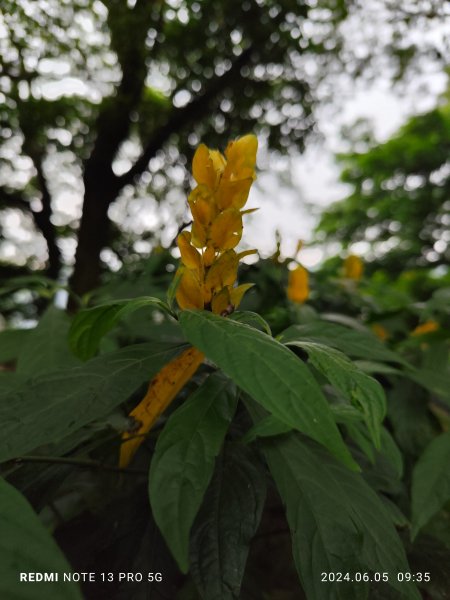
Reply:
x=84, y=464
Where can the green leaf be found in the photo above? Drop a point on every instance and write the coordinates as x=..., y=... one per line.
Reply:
x=90, y=325
x=51, y=406
x=338, y=523
x=430, y=482
x=172, y=290
x=12, y=341
x=345, y=414
x=270, y=373
x=267, y=427
x=227, y=522
x=47, y=348
x=251, y=318
x=363, y=391
x=354, y=343
x=43, y=286
x=412, y=423
x=388, y=454
x=434, y=380
x=27, y=547
x=392, y=452
x=370, y=367
x=184, y=460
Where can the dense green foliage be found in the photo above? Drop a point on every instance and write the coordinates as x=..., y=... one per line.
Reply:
x=343, y=429
x=400, y=198
x=101, y=104
x=305, y=455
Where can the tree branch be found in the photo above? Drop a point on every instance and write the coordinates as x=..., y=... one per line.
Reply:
x=43, y=220
x=128, y=33
x=16, y=199
x=183, y=116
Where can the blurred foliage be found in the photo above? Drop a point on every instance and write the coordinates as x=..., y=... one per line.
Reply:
x=400, y=199
x=101, y=104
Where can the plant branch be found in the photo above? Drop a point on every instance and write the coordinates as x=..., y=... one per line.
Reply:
x=43, y=221
x=182, y=117
x=84, y=464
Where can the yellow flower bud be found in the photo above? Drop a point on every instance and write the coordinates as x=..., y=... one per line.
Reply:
x=298, y=285
x=353, y=267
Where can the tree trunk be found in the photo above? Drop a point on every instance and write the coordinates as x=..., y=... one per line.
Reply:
x=100, y=192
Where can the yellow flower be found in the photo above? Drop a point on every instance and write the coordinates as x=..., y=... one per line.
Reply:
x=298, y=285
x=353, y=267
x=380, y=331
x=209, y=263
x=427, y=327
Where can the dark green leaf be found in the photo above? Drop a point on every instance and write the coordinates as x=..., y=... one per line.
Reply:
x=184, y=459
x=90, y=325
x=26, y=547
x=369, y=366
x=12, y=341
x=227, y=522
x=437, y=381
x=47, y=348
x=354, y=343
x=267, y=427
x=270, y=373
x=338, y=523
x=251, y=318
x=431, y=482
x=171, y=292
x=49, y=407
x=363, y=391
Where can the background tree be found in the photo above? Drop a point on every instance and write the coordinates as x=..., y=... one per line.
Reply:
x=400, y=202
x=103, y=101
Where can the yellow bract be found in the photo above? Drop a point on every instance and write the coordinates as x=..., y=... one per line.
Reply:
x=381, y=332
x=353, y=267
x=427, y=327
x=298, y=285
x=209, y=262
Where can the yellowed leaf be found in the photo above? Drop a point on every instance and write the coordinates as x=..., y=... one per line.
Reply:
x=161, y=391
